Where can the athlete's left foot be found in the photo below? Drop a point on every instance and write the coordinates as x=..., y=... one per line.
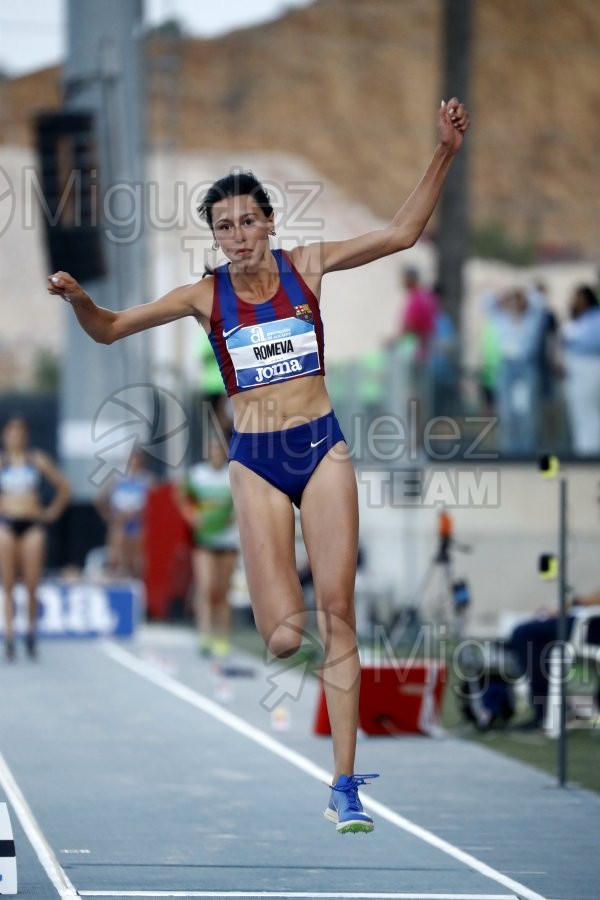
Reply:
x=345, y=808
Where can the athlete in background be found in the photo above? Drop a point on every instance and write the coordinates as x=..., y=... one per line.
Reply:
x=262, y=313
x=23, y=521
x=122, y=505
x=206, y=503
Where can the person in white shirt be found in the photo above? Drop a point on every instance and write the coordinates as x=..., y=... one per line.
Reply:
x=580, y=344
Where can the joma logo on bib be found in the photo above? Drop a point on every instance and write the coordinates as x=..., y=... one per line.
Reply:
x=277, y=370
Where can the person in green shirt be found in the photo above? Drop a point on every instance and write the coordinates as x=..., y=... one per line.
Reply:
x=206, y=504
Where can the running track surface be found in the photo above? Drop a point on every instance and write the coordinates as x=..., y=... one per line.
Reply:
x=134, y=770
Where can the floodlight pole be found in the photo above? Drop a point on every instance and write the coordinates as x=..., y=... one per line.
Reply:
x=103, y=75
x=453, y=222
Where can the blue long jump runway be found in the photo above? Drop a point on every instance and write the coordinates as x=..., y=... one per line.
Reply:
x=131, y=780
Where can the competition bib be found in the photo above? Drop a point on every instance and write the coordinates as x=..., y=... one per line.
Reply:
x=275, y=351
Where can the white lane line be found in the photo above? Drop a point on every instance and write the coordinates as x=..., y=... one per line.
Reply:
x=310, y=895
x=44, y=853
x=188, y=695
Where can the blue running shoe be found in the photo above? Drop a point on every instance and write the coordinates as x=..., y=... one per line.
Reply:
x=345, y=808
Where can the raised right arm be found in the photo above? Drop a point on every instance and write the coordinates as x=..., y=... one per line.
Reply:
x=106, y=326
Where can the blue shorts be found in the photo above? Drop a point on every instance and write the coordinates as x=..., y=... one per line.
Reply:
x=287, y=458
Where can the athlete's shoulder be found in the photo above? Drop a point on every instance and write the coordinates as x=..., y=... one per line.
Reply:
x=201, y=295
x=306, y=258
x=307, y=263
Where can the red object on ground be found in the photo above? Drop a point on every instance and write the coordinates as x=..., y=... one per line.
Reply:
x=403, y=698
x=167, y=553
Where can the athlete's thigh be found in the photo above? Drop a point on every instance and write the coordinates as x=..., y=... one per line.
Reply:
x=329, y=516
x=32, y=554
x=8, y=555
x=266, y=524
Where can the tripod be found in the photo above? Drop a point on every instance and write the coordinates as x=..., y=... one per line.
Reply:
x=448, y=610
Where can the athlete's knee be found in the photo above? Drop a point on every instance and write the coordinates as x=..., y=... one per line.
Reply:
x=283, y=640
x=337, y=611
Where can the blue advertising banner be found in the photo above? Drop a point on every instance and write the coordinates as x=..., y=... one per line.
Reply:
x=81, y=609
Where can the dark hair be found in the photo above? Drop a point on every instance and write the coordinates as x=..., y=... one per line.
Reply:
x=16, y=417
x=237, y=184
x=588, y=296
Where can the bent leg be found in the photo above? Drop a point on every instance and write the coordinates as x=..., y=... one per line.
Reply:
x=329, y=513
x=267, y=534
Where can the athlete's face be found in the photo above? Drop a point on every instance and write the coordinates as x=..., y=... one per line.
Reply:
x=242, y=230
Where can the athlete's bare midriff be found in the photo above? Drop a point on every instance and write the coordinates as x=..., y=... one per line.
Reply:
x=278, y=406
x=23, y=506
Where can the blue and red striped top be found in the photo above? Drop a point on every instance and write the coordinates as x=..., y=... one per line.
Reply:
x=262, y=343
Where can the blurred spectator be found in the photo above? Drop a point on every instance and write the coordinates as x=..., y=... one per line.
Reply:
x=206, y=504
x=418, y=316
x=490, y=367
x=122, y=505
x=581, y=353
x=530, y=642
x=519, y=322
x=414, y=337
x=443, y=359
x=23, y=522
x=548, y=415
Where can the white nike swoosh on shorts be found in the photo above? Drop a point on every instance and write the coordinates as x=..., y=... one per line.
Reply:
x=316, y=444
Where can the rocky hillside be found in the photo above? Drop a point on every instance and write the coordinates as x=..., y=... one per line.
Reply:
x=353, y=86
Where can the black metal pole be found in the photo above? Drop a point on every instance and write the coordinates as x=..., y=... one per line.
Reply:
x=562, y=632
x=453, y=236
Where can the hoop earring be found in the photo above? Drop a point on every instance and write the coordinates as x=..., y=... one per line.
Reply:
x=215, y=245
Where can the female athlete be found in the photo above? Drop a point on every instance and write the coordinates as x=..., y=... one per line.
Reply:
x=22, y=523
x=206, y=503
x=261, y=311
x=122, y=505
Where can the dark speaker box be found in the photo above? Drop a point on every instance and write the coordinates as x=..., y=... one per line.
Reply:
x=68, y=173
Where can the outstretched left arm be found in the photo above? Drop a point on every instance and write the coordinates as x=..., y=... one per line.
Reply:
x=410, y=220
